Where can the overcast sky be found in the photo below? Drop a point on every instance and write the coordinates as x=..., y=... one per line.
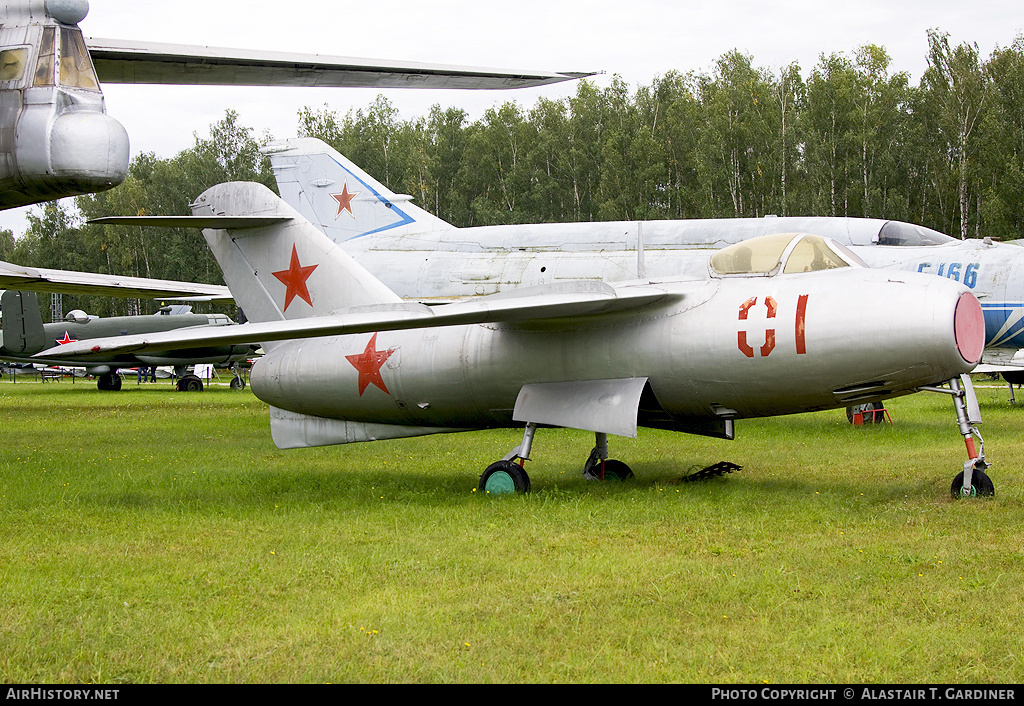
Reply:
x=638, y=40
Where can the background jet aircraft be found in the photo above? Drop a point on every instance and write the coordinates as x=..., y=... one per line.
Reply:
x=762, y=330
x=422, y=257
x=24, y=334
x=56, y=139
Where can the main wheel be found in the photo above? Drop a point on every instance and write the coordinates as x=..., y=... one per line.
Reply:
x=190, y=383
x=981, y=486
x=613, y=468
x=504, y=477
x=237, y=383
x=108, y=382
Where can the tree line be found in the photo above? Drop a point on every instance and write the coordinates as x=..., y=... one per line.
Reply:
x=852, y=138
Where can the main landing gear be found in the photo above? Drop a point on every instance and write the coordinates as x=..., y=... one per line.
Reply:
x=509, y=476
x=972, y=481
x=109, y=382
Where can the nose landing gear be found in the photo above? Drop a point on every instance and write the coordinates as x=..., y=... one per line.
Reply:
x=972, y=481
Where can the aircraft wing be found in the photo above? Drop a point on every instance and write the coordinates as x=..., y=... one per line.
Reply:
x=33, y=279
x=1001, y=360
x=533, y=304
x=121, y=61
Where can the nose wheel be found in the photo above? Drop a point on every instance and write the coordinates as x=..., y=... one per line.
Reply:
x=972, y=482
x=981, y=486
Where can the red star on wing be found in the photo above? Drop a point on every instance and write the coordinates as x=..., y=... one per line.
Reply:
x=67, y=339
x=344, y=200
x=369, y=363
x=294, y=279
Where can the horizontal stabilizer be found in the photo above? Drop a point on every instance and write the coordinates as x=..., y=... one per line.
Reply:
x=200, y=222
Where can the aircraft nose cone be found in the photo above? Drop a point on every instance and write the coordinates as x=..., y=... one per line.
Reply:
x=89, y=145
x=969, y=328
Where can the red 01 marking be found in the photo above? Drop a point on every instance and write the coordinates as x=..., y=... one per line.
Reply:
x=800, y=328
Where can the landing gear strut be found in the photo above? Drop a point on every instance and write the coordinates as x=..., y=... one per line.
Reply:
x=509, y=476
x=599, y=466
x=972, y=481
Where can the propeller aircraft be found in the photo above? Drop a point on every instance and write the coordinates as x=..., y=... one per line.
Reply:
x=761, y=328
x=56, y=139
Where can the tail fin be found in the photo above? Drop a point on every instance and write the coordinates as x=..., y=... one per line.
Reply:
x=286, y=270
x=339, y=197
x=22, y=323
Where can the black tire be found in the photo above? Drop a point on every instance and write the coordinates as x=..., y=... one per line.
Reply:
x=190, y=383
x=237, y=383
x=981, y=486
x=503, y=478
x=613, y=468
x=108, y=382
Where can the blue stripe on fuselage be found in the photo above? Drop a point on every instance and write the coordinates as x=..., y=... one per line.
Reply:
x=1004, y=324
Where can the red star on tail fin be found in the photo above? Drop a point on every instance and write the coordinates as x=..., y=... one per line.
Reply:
x=294, y=279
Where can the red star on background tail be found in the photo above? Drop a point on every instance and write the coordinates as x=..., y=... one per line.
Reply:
x=344, y=200
x=294, y=278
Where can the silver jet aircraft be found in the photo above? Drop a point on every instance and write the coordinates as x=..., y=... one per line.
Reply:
x=56, y=139
x=423, y=257
x=761, y=329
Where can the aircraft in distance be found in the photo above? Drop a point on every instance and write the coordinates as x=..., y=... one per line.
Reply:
x=56, y=139
x=24, y=334
x=763, y=329
x=420, y=256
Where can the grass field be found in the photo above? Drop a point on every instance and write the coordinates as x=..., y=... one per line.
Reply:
x=154, y=536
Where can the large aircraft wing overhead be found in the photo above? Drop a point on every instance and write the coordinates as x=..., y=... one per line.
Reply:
x=120, y=61
x=532, y=304
x=33, y=279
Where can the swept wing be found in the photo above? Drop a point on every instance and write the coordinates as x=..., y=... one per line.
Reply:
x=38, y=279
x=123, y=61
x=564, y=300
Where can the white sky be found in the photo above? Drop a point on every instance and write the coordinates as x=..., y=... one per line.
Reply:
x=638, y=39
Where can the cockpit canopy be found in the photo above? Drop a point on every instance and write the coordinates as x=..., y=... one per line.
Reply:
x=63, y=60
x=787, y=253
x=907, y=234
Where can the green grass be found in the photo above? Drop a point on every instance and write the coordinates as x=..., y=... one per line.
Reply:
x=154, y=536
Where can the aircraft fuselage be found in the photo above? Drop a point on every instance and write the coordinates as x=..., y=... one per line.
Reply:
x=732, y=348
